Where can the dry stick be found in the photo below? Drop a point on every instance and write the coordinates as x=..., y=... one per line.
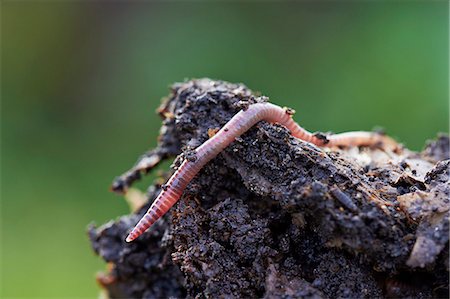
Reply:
x=238, y=125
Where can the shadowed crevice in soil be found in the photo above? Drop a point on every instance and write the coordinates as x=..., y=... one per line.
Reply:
x=273, y=216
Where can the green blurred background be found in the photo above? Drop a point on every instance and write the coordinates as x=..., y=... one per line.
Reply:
x=81, y=81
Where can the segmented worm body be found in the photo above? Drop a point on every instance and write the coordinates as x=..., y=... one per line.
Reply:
x=238, y=125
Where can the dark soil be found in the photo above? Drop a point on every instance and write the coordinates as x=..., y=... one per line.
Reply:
x=274, y=217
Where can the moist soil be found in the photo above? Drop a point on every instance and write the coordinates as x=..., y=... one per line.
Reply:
x=275, y=217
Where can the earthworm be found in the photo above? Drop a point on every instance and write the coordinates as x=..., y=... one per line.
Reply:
x=235, y=127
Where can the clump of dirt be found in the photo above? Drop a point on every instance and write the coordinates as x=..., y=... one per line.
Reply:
x=273, y=216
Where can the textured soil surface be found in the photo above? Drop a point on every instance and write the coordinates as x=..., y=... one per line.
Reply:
x=274, y=217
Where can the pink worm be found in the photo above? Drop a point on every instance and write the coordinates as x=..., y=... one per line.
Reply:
x=235, y=127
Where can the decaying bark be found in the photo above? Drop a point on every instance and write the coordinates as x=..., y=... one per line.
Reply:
x=276, y=217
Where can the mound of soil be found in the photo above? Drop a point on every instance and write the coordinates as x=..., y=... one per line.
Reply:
x=273, y=216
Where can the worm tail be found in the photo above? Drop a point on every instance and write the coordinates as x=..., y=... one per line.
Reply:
x=361, y=138
x=166, y=199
